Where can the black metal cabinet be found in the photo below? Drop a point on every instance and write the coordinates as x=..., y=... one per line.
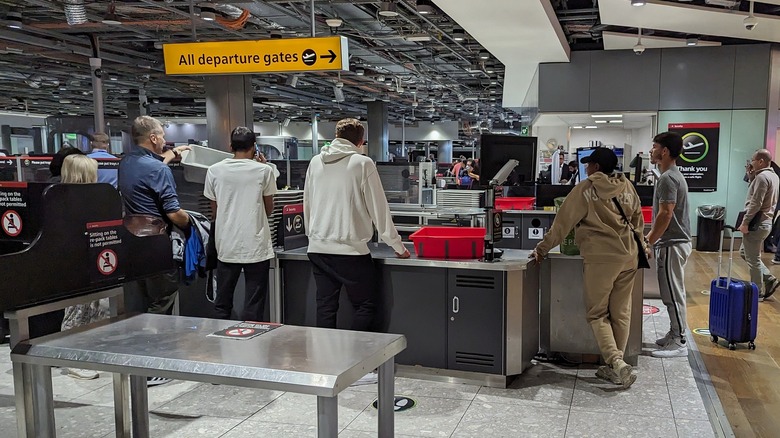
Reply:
x=414, y=305
x=475, y=332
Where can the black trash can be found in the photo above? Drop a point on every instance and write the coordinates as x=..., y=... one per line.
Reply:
x=709, y=225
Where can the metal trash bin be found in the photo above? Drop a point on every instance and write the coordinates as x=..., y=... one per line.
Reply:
x=709, y=225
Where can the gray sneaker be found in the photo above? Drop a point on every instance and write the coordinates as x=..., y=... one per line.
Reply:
x=663, y=341
x=606, y=373
x=770, y=287
x=673, y=348
x=624, y=372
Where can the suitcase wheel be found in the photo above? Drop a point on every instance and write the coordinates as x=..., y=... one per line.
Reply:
x=732, y=346
x=752, y=345
x=713, y=338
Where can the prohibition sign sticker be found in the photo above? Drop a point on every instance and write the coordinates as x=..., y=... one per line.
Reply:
x=12, y=223
x=240, y=332
x=107, y=262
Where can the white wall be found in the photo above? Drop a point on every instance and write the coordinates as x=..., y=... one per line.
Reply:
x=642, y=139
x=607, y=136
x=21, y=121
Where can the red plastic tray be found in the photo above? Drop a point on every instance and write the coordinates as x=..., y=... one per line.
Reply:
x=449, y=242
x=515, y=203
x=647, y=214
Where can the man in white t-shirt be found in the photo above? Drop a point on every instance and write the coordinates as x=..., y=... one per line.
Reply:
x=241, y=190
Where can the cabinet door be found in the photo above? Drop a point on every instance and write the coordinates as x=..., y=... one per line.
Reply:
x=475, y=335
x=413, y=304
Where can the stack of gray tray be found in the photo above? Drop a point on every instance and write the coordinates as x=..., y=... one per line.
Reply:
x=458, y=198
x=282, y=198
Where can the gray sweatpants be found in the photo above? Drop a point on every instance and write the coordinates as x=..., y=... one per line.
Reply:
x=670, y=261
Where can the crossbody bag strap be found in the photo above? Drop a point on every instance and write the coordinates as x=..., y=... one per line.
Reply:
x=622, y=213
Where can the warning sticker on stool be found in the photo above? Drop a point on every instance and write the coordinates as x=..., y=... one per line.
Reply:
x=245, y=330
x=105, y=248
x=14, y=211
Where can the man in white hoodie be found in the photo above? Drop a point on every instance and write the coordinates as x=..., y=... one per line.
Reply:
x=342, y=198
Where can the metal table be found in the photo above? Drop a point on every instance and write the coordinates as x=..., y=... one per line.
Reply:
x=305, y=360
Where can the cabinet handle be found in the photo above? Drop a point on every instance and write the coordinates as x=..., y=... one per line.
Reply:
x=455, y=305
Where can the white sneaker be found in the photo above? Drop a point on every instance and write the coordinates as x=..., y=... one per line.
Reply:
x=368, y=379
x=673, y=348
x=82, y=374
x=157, y=381
x=665, y=340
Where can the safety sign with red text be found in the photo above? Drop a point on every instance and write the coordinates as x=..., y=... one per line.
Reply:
x=14, y=211
x=105, y=248
x=245, y=330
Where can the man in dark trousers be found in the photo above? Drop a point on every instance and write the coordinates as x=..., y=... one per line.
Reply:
x=343, y=201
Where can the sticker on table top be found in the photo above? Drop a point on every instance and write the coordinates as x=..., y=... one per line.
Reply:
x=401, y=404
x=12, y=223
x=245, y=330
x=649, y=310
x=536, y=233
x=702, y=331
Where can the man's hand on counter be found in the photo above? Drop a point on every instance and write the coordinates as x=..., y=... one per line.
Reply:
x=536, y=256
x=406, y=254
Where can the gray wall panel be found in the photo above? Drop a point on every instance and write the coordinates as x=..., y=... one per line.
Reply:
x=751, y=76
x=622, y=81
x=564, y=86
x=699, y=78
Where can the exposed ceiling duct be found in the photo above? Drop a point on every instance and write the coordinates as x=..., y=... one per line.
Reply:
x=75, y=12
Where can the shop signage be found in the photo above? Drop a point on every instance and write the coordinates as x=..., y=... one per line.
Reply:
x=36, y=169
x=292, y=229
x=245, y=330
x=260, y=56
x=8, y=169
x=698, y=161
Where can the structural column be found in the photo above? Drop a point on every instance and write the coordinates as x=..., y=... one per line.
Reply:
x=228, y=105
x=378, y=131
x=445, y=151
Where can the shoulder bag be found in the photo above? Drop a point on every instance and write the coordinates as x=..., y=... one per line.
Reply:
x=642, y=262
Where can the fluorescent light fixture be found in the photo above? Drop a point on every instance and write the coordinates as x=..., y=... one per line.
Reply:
x=339, y=94
x=14, y=19
x=591, y=127
x=691, y=41
x=418, y=37
x=601, y=121
x=576, y=127
x=724, y=3
x=613, y=121
x=606, y=116
x=388, y=9
x=286, y=122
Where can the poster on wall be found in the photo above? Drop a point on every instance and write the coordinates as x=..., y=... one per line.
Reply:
x=698, y=161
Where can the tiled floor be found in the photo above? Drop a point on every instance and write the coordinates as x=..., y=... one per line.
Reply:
x=548, y=400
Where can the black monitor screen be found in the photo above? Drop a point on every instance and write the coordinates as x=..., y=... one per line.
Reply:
x=546, y=194
x=645, y=195
x=496, y=150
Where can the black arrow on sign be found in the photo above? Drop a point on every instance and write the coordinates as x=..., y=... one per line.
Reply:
x=330, y=55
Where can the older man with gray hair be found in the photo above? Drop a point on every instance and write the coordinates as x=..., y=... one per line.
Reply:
x=757, y=221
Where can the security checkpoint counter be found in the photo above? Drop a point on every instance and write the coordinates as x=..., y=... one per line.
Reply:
x=464, y=320
x=319, y=362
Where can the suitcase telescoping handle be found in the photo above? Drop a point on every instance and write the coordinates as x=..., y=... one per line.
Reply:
x=731, y=254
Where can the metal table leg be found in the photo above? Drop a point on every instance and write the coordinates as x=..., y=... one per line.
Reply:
x=23, y=399
x=327, y=417
x=43, y=401
x=386, y=405
x=122, y=405
x=139, y=406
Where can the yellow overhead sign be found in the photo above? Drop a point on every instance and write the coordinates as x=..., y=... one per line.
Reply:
x=262, y=56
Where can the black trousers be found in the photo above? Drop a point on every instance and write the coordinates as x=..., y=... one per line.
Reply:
x=255, y=285
x=357, y=275
x=153, y=294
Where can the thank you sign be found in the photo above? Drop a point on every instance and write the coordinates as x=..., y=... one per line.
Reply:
x=698, y=161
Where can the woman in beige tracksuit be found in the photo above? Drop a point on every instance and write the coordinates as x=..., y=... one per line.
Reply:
x=609, y=252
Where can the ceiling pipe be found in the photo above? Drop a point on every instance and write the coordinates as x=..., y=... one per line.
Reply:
x=75, y=12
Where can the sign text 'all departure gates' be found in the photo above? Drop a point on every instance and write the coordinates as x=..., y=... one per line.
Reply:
x=260, y=56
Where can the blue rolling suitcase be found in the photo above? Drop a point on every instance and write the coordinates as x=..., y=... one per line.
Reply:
x=733, y=305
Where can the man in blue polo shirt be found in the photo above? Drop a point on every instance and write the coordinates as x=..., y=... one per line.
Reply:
x=101, y=143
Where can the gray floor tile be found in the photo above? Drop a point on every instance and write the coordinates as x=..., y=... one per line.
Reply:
x=158, y=395
x=647, y=394
x=694, y=428
x=293, y=408
x=174, y=426
x=506, y=420
x=220, y=401
x=348, y=433
x=431, y=417
x=593, y=424
x=687, y=403
x=541, y=385
x=426, y=388
x=8, y=422
x=678, y=372
x=253, y=429
x=79, y=421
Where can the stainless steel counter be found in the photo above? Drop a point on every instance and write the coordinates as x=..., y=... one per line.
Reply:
x=512, y=260
x=306, y=360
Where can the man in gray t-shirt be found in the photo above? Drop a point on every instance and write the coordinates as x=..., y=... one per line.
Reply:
x=671, y=238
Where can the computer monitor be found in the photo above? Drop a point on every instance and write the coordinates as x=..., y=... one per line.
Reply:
x=546, y=194
x=582, y=153
x=496, y=150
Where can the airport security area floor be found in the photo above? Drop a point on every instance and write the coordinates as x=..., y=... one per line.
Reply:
x=667, y=400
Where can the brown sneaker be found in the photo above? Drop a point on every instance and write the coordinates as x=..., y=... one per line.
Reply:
x=624, y=373
x=605, y=373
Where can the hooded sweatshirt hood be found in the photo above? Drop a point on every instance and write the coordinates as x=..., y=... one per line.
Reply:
x=600, y=231
x=338, y=149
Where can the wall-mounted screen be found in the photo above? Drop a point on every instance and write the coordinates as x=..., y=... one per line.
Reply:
x=496, y=150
